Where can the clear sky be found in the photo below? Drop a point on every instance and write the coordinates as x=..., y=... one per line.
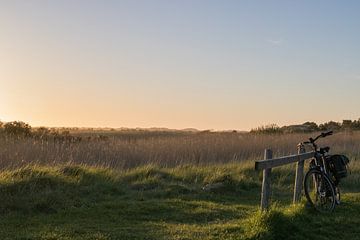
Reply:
x=178, y=64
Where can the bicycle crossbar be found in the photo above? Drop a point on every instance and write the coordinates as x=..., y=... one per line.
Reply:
x=269, y=163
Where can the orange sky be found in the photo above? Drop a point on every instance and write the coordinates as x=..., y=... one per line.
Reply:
x=178, y=64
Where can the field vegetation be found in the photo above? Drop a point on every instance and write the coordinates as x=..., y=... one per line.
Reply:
x=78, y=202
x=137, y=184
x=22, y=145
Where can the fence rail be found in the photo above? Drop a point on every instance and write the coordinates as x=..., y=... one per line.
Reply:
x=268, y=163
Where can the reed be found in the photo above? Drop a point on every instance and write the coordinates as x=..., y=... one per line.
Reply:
x=129, y=149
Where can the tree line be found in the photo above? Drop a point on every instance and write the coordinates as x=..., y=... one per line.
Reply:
x=22, y=129
x=19, y=129
x=307, y=127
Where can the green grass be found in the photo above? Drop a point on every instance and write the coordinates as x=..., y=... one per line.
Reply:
x=78, y=202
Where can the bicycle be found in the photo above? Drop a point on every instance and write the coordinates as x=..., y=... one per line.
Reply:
x=322, y=179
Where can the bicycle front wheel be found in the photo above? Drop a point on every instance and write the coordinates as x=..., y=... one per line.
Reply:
x=319, y=191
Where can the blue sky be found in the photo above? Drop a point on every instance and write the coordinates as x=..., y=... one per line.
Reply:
x=178, y=64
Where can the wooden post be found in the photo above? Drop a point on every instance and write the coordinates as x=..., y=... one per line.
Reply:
x=266, y=188
x=299, y=175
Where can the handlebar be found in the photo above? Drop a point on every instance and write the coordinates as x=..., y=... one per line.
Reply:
x=322, y=135
x=313, y=140
x=327, y=134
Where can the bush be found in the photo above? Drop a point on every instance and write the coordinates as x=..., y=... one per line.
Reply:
x=268, y=129
x=330, y=126
x=41, y=132
x=17, y=129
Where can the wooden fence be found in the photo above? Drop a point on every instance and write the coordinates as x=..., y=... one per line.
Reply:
x=269, y=163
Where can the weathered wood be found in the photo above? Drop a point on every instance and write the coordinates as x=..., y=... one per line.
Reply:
x=269, y=163
x=299, y=175
x=276, y=162
x=266, y=184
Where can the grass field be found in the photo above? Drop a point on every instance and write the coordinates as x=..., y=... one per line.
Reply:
x=131, y=148
x=149, y=202
x=162, y=185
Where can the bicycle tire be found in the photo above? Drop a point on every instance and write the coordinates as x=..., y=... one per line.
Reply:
x=319, y=191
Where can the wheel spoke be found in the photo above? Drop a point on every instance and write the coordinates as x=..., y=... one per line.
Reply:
x=319, y=191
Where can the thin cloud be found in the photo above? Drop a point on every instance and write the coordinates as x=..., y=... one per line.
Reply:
x=276, y=42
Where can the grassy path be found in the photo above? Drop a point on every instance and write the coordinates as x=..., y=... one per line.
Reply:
x=152, y=203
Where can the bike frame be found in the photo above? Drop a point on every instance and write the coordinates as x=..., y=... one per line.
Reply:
x=321, y=174
x=320, y=155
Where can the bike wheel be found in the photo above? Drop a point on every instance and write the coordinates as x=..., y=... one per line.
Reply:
x=319, y=191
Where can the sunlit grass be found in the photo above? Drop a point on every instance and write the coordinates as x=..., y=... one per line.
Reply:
x=164, y=186
x=150, y=202
x=128, y=149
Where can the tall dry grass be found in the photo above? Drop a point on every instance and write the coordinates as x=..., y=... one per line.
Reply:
x=128, y=149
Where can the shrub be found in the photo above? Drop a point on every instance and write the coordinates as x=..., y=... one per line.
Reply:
x=268, y=129
x=330, y=126
x=17, y=129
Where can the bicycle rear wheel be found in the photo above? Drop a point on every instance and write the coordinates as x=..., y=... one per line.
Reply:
x=319, y=191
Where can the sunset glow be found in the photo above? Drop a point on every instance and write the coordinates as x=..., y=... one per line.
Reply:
x=179, y=64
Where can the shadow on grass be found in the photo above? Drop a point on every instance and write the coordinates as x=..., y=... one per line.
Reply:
x=81, y=203
x=300, y=222
x=148, y=203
